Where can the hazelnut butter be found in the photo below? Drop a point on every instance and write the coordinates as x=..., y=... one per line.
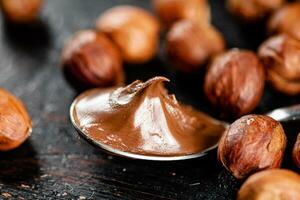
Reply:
x=142, y=118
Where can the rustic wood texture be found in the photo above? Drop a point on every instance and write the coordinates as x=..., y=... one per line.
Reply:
x=55, y=163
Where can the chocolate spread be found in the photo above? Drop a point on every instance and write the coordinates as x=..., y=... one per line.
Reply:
x=142, y=118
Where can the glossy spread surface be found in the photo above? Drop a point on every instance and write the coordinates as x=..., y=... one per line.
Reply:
x=142, y=118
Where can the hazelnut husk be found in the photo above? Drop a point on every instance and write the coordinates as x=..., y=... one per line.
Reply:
x=92, y=60
x=15, y=123
x=251, y=144
x=134, y=31
x=21, y=11
x=190, y=45
x=286, y=20
x=281, y=57
x=296, y=152
x=253, y=10
x=171, y=11
x=280, y=184
x=234, y=82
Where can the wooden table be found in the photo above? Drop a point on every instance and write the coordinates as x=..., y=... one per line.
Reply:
x=56, y=164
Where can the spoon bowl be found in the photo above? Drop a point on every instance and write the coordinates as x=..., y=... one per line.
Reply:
x=280, y=114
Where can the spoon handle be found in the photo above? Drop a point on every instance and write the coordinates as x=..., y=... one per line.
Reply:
x=286, y=113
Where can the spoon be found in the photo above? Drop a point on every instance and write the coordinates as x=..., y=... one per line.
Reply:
x=280, y=114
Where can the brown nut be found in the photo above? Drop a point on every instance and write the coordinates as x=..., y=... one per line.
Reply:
x=93, y=60
x=280, y=184
x=15, y=123
x=234, y=82
x=253, y=10
x=251, y=144
x=21, y=11
x=171, y=11
x=191, y=45
x=296, y=152
x=134, y=30
x=281, y=57
x=286, y=20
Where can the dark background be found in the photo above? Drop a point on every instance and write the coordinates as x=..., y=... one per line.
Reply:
x=56, y=164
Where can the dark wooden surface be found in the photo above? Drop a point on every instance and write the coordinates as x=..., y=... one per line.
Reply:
x=56, y=164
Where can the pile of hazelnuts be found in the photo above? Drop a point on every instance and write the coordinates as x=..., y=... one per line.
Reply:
x=253, y=146
x=234, y=79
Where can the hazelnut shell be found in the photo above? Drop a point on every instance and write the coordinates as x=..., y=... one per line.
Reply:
x=271, y=184
x=251, y=144
x=134, y=31
x=253, y=10
x=15, y=123
x=93, y=60
x=281, y=57
x=234, y=82
x=21, y=11
x=171, y=11
x=191, y=45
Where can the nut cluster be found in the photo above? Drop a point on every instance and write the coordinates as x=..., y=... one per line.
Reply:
x=15, y=123
x=251, y=144
x=171, y=11
x=281, y=57
x=94, y=58
x=21, y=11
x=191, y=40
x=253, y=10
x=133, y=30
x=234, y=82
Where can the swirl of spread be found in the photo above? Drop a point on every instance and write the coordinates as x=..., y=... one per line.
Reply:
x=142, y=118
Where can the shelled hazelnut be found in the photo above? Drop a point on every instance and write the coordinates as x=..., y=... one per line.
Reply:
x=281, y=57
x=171, y=11
x=134, y=31
x=286, y=20
x=270, y=185
x=296, y=152
x=251, y=144
x=15, y=123
x=21, y=11
x=253, y=10
x=234, y=82
x=190, y=45
x=93, y=60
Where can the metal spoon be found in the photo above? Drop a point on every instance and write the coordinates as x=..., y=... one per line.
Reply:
x=281, y=114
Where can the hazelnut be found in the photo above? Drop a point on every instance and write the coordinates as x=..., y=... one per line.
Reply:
x=234, y=82
x=296, y=152
x=171, y=11
x=21, y=11
x=271, y=184
x=15, y=123
x=93, y=60
x=286, y=20
x=281, y=57
x=251, y=144
x=253, y=10
x=191, y=45
x=134, y=30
